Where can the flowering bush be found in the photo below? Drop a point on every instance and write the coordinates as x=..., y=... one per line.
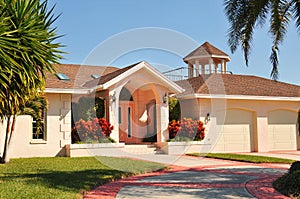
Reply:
x=186, y=129
x=96, y=130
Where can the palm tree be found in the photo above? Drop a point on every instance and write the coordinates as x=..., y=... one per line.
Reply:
x=27, y=52
x=245, y=15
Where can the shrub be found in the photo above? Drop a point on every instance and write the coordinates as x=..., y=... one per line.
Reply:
x=294, y=167
x=174, y=109
x=96, y=130
x=186, y=129
x=289, y=184
x=88, y=108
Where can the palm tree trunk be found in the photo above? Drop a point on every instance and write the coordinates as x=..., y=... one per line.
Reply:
x=5, y=157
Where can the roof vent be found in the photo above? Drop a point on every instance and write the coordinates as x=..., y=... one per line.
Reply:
x=62, y=76
x=95, y=76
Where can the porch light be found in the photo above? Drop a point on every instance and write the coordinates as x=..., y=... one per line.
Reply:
x=207, y=118
x=165, y=98
x=113, y=97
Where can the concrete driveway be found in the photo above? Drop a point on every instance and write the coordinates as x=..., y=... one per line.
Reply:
x=197, y=177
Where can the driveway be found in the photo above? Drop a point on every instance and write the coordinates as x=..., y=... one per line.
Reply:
x=197, y=177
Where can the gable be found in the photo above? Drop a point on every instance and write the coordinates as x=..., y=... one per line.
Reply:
x=115, y=77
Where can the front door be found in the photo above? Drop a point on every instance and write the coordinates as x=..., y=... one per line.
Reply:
x=126, y=130
x=151, y=123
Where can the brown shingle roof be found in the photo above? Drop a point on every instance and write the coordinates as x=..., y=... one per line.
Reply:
x=105, y=78
x=238, y=85
x=78, y=74
x=206, y=49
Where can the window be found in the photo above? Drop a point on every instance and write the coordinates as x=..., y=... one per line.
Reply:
x=129, y=122
x=39, y=127
x=120, y=115
x=95, y=76
x=62, y=76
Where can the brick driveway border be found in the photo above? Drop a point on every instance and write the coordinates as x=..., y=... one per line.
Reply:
x=260, y=186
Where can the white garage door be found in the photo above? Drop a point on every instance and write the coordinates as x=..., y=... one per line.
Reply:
x=235, y=131
x=282, y=130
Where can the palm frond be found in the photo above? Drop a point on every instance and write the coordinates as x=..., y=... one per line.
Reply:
x=243, y=16
x=280, y=18
x=296, y=12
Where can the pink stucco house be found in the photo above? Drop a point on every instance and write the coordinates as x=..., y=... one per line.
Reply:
x=242, y=113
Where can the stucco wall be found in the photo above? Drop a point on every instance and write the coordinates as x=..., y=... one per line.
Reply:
x=58, y=131
x=258, y=108
x=144, y=88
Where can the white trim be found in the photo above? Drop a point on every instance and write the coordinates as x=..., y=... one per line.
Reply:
x=241, y=97
x=207, y=56
x=64, y=90
x=38, y=141
x=175, y=86
x=122, y=76
x=172, y=85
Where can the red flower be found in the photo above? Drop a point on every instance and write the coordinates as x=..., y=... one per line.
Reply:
x=95, y=129
x=188, y=128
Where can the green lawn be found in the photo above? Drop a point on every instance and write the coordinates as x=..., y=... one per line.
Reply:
x=62, y=177
x=244, y=158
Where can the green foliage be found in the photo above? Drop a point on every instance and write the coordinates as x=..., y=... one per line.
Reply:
x=62, y=177
x=245, y=16
x=174, y=109
x=244, y=158
x=294, y=167
x=36, y=108
x=27, y=53
x=88, y=108
x=289, y=184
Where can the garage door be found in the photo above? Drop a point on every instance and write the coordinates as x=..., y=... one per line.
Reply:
x=282, y=130
x=235, y=131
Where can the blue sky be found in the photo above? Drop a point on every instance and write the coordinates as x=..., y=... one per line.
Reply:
x=89, y=26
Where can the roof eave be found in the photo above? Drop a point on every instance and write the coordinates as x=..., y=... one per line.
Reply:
x=186, y=59
x=67, y=91
x=240, y=97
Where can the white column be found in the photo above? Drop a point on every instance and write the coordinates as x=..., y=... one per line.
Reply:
x=210, y=65
x=223, y=70
x=190, y=70
x=216, y=68
x=202, y=69
x=162, y=115
x=197, y=67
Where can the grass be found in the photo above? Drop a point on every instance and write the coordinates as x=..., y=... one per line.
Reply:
x=62, y=177
x=244, y=158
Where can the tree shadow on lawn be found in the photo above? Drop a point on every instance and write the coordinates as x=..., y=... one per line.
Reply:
x=76, y=181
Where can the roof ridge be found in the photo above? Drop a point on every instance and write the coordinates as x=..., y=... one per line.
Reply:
x=208, y=48
x=205, y=81
x=109, y=76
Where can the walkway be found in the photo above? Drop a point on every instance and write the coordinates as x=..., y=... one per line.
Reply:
x=196, y=177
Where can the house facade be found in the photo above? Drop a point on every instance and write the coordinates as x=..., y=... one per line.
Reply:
x=136, y=104
x=242, y=113
x=246, y=113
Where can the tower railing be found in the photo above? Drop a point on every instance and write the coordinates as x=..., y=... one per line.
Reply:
x=182, y=73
